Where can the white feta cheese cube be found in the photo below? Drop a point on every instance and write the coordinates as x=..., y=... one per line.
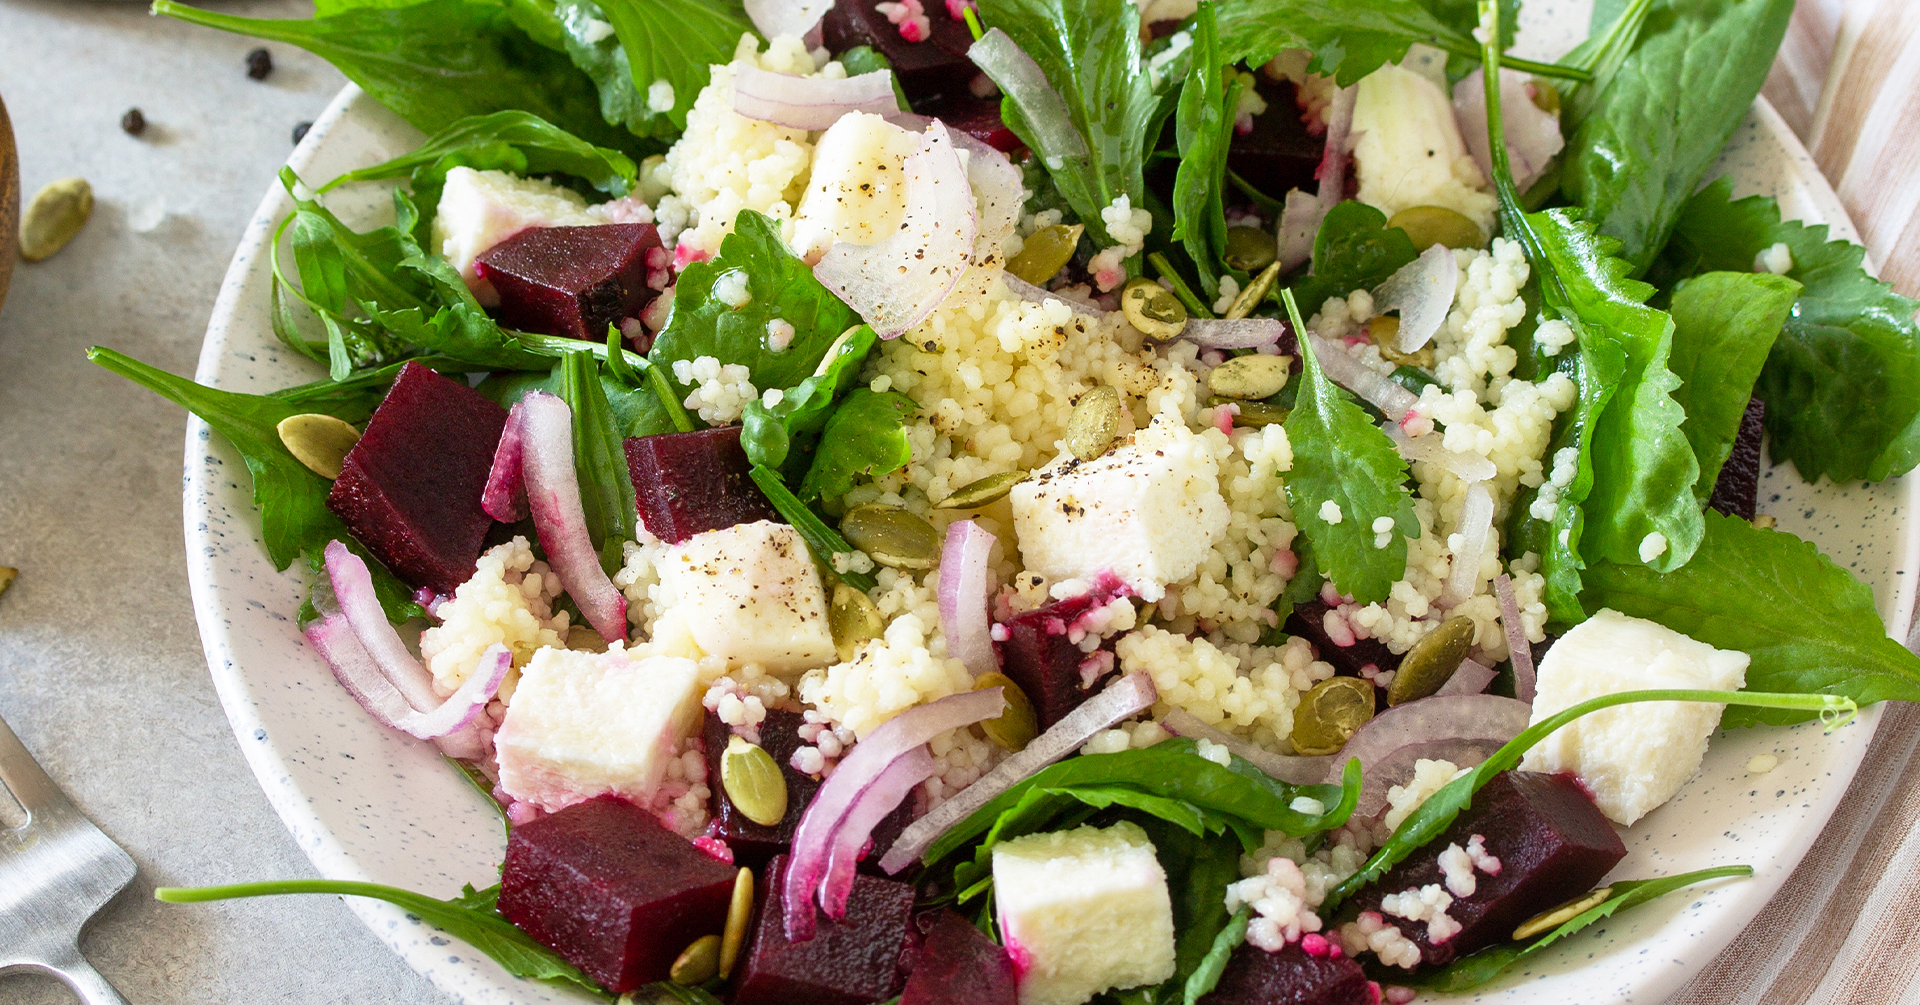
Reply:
x=1083, y=911
x=1631, y=757
x=1408, y=151
x=1149, y=511
x=749, y=593
x=584, y=724
x=858, y=189
x=479, y=209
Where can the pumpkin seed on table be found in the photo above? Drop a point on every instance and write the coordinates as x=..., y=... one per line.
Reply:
x=983, y=492
x=1257, y=289
x=1153, y=309
x=1554, y=917
x=892, y=536
x=318, y=441
x=1015, y=727
x=1045, y=252
x=739, y=915
x=853, y=619
x=1331, y=713
x=55, y=215
x=1426, y=667
x=698, y=964
x=753, y=782
x=1095, y=423
x=1249, y=249
x=1250, y=377
x=1427, y=226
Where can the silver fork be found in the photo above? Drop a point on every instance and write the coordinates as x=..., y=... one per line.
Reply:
x=56, y=870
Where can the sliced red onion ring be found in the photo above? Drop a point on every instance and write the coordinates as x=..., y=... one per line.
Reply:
x=505, y=497
x=1422, y=291
x=1022, y=81
x=1302, y=215
x=1532, y=135
x=1292, y=769
x=1398, y=766
x=858, y=771
x=1235, y=333
x=1435, y=719
x=553, y=496
x=1476, y=538
x=1375, y=388
x=965, y=583
x=1469, y=678
x=1468, y=468
x=774, y=18
x=357, y=671
x=810, y=103
x=1518, y=649
x=360, y=605
x=1128, y=696
x=896, y=283
x=856, y=831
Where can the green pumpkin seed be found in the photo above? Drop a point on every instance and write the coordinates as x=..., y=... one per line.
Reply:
x=1555, y=917
x=854, y=620
x=1016, y=727
x=1250, y=377
x=1094, y=424
x=1153, y=309
x=1330, y=713
x=7, y=574
x=1385, y=332
x=892, y=536
x=56, y=213
x=1249, y=249
x=739, y=914
x=1252, y=413
x=1546, y=97
x=1431, y=661
x=1431, y=225
x=985, y=492
x=1045, y=252
x=1256, y=291
x=318, y=441
x=754, y=783
x=698, y=964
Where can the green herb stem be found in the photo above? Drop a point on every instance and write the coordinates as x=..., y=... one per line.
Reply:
x=824, y=541
x=1171, y=276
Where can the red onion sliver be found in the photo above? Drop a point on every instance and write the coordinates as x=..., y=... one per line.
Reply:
x=1128, y=696
x=1034, y=294
x=1431, y=449
x=505, y=497
x=553, y=496
x=357, y=671
x=1022, y=80
x=353, y=591
x=1377, y=389
x=1292, y=769
x=870, y=758
x=881, y=798
x=1532, y=134
x=1432, y=719
x=1422, y=291
x=965, y=583
x=1302, y=215
x=896, y=283
x=1234, y=333
x=810, y=103
x=1469, y=678
x=774, y=18
x=1518, y=648
x=1397, y=767
x=1476, y=539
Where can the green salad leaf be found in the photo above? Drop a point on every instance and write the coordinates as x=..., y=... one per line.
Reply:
x=1346, y=474
x=1724, y=325
x=864, y=439
x=1354, y=249
x=1842, y=384
x=1206, y=975
x=675, y=41
x=1614, y=35
x=788, y=430
x=1203, y=127
x=1353, y=38
x=1651, y=135
x=822, y=541
x=599, y=457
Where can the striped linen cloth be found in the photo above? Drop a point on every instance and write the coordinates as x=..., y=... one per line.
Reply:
x=1845, y=930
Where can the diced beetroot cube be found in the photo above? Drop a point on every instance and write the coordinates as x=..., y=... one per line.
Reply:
x=410, y=489
x=1737, y=491
x=1278, y=154
x=1040, y=656
x=1308, y=621
x=1553, y=845
x=1290, y=977
x=686, y=483
x=927, y=69
x=857, y=961
x=603, y=884
x=571, y=281
x=977, y=117
x=753, y=844
x=958, y=965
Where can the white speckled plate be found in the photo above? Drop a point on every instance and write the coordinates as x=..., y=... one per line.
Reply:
x=367, y=803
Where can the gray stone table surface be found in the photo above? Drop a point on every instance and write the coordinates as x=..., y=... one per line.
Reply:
x=101, y=672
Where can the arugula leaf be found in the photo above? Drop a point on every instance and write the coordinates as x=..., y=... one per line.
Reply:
x=638, y=411
x=1353, y=250
x=1842, y=384
x=1341, y=460
x=675, y=41
x=823, y=541
x=864, y=438
x=1353, y=38
x=600, y=457
x=437, y=62
x=1671, y=107
x=473, y=917
x=1203, y=127
x=1439, y=811
x=1206, y=976
x=1807, y=623
x=771, y=435
x=1470, y=972
x=1724, y=325
x=579, y=28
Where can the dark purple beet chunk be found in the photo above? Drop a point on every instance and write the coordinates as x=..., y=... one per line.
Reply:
x=603, y=884
x=410, y=489
x=1278, y=154
x=1308, y=621
x=1553, y=845
x=957, y=965
x=753, y=844
x=1039, y=657
x=857, y=961
x=687, y=483
x=1290, y=977
x=925, y=69
x=977, y=117
x=1737, y=490
x=571, y=281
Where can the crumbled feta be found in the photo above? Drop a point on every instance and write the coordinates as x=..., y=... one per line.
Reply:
x=1083, y=911
x=1278, y=897
x=720, y=391
x=1631, y=758
x=479, y=209
x=1408, y=151
x=1777, y=259
x=749, y=593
